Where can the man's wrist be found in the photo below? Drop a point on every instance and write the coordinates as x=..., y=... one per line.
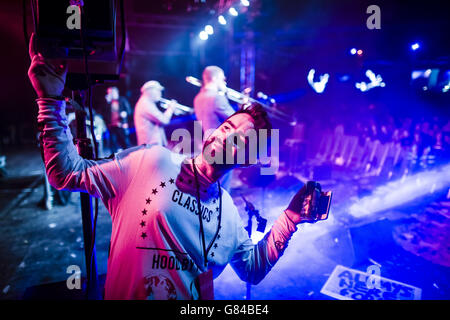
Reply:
x=292, y=216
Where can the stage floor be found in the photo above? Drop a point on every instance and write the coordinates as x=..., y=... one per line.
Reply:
x=409, y=243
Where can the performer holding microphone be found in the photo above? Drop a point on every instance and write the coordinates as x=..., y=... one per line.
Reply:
x=173, y=227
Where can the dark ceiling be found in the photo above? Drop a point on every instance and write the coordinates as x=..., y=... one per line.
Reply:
x=310, y=31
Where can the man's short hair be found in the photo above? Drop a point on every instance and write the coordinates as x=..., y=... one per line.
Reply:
x=258, y=114
x=210, y=72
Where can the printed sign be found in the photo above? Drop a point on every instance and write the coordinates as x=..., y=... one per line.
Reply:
x=350, y=284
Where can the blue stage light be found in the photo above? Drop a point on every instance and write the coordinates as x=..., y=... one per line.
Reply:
x=233, y=11
x=415, y=46
x=209, y=29
x=222, y=20
x=203, y=35
x=353, y=51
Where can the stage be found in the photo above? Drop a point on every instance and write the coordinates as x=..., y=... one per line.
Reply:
x=408, y=242
x=352, y=95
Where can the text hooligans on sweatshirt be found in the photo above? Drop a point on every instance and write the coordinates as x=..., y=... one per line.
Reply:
x=151, y=193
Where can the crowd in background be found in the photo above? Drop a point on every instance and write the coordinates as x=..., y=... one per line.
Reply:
x=405, y=144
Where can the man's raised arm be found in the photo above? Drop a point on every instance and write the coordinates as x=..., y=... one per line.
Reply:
x=64, y=167
x=251, y=261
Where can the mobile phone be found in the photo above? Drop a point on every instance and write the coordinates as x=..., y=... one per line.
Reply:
x=323, y=205
x=320, y=201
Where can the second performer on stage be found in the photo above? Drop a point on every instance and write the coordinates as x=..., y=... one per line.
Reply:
x=148, y=119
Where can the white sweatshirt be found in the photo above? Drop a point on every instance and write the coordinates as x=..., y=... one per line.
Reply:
x=150, y=192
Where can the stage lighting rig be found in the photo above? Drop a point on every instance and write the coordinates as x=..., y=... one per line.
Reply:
x=209, y=29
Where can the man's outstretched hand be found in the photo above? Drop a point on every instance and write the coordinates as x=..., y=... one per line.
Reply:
x=300, y=208
x=48, y=78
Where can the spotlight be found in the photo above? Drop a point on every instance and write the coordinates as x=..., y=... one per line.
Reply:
x=222, y=20
x=353, y=51
x=245, y=3
x=233, y=11
x=359, y=52
x=203, y=35
x=402, y=191
x=415, y=46
x=209, y=29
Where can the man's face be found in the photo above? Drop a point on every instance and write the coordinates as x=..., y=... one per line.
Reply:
x=232, y=145
x=154, y=94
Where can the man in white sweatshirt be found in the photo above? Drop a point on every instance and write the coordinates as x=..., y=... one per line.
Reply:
x=172, y=223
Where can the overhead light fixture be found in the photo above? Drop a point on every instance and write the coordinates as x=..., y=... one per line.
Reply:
x=415, y=46
x=222, y=20
x=209, y=29
x=203, y=35
x=233, y=11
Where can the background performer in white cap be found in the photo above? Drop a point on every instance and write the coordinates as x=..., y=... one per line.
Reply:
x=148, y=120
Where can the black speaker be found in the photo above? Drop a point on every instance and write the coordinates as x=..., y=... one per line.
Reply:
x=64, y=31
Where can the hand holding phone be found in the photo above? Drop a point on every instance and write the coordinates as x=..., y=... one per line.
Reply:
x=310, y=204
